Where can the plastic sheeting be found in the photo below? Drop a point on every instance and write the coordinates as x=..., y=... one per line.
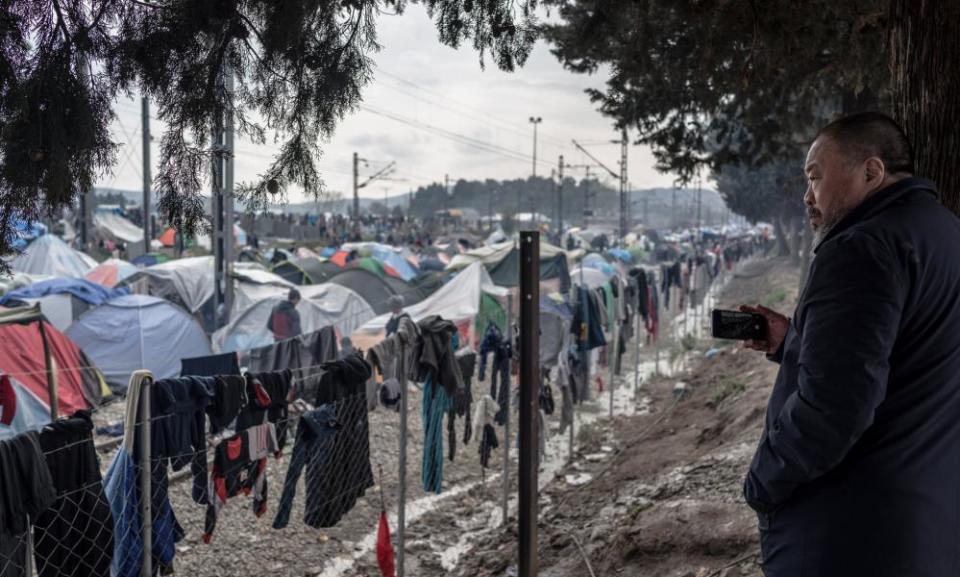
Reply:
x=457, y=300
x=320, y=306
x=138, y=332
x=48, y=255
x=591, y=277
x=114, y=226
x=87, y=291
x=186, y=281
x=111, y=272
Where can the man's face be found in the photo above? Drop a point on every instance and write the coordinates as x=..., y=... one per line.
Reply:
x=835, y=186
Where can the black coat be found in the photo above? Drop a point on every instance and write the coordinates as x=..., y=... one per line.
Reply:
x=858, y=469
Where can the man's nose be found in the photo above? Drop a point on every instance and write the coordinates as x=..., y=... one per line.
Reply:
x=808, y=198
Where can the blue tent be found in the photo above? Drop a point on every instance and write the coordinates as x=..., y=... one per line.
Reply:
x=393, y=260
x=621, y=255
x=27, y=231
x=595, y=261
x=87, y=291
x=135, y=332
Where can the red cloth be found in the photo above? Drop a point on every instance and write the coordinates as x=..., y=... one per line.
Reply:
x=385, y=548
x=8, y=400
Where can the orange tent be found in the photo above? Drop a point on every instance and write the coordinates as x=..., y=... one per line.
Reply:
x=169, y=237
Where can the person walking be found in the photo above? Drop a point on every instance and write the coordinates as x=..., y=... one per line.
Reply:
x=284, y=321
x=857, y=472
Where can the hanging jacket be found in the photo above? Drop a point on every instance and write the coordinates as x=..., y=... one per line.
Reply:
x=312, y=449
x=587, y=322
x=26, y=489
x=502, y=349
x=437, y=356
x=177, y=433
x=74, y=535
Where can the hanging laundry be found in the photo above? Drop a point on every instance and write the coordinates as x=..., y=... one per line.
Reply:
x=483, y=420
x=229, y=398
x=302, y=354
x=240, y=466
x=177, y=431
x=122, y=489
x=26, y=489
x=502, y=349
x=588, y=320
x=210, y=366
x=436, y=403
x=385, y=548
x=347, y=474
x=277, y=385
x=462, y=402
x=313, y=449
x=437, y=355
x=74, y=535
x=385, y=356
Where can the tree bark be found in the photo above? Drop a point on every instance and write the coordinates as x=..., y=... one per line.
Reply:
x=925, y=66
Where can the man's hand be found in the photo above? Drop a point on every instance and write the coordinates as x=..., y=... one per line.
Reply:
x=777, y=326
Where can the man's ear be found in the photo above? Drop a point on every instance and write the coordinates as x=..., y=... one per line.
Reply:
x=874, y=171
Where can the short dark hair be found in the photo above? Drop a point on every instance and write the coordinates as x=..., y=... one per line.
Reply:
x=867, y=134
x=293, y=295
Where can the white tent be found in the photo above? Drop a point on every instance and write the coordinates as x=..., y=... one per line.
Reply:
x=116, y=227
x=138, y=332
x=494, y=253
x=252, y=286
x=48, y=255
x=188, y=281
x=457, y=300
x=320, y=306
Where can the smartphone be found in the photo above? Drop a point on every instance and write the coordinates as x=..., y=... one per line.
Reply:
x=739, y=326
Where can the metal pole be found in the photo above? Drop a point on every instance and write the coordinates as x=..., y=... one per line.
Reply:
x=228, y=199
x=146, y=512
x=50, y=366
x=529, y=411
x=613, y=349
x=636, y=356
x=402, y=501
x=560, y=198
x=147, y=178
x=506, y=430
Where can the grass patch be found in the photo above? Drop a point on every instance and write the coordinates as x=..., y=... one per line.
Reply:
x=728, y=389
x=589, y=434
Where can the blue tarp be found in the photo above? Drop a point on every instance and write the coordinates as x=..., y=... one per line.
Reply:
x=597, y=262
x=27, y=231
x=87, y=291
x=621, y=255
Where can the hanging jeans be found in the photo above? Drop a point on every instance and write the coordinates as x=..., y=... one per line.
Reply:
x=436, y=403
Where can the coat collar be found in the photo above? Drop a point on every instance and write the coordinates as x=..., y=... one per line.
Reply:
x=880, y=201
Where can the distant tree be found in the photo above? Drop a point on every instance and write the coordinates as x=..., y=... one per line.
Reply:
x=298, y=67
x=397, y=212
x=378, y=208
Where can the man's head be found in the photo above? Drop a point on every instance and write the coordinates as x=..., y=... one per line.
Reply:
x=396, y=304
x=851, y=159
x=293, y=296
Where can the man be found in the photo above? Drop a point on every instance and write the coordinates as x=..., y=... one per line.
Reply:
x=396, y=313
x=284, y=319
x=858, y=469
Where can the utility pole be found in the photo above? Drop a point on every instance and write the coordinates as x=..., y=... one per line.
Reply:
x=356, y=187
x=623, y=187
x=673, y=209
x=535, y=121
x=147, y=178
x=446, y=192
x=699, y=195
x=222, y=200
x=560, y=197
x=586, y=200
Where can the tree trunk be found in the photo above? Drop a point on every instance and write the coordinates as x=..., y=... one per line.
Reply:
x=925, y=64
x=796, y=229
x=783, y=243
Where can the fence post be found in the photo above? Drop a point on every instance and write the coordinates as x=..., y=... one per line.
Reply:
x=529, y=414
x=613, y=352
x=402, y=501
x=50, y=365
x=636, y=357
x=506, y=431
x=146, y=472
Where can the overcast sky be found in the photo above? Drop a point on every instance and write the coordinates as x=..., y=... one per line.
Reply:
x=451, y=113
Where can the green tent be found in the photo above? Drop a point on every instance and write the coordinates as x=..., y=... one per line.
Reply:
x=506, y=273
x=371, y=265
x=490, y=311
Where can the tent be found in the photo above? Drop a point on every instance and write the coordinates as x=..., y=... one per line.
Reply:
x=251, y=286
x=459, y=300
x=138, y=332
x=25, y=335
x=595, y=261
x=371, y=264
x=304, y=271
x=111, y=272
x=320, y=306
x=51, y=256
x=168, y=238
x=186, y=281
x=429, y=282
x=19, y=279
x=150, y=259
x=506, y=273
x=62, y=300
x=493, y=254
x=376, y=290
x=26, y=232
x=115, y=227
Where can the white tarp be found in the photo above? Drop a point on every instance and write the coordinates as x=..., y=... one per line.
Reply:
x=48, y=255
x=191, y=279
x=457, y=300
x=138, y=332
x=320, y=306
x=592, y=278
x=19, y=280
x=117, y=227
x=58, y=308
